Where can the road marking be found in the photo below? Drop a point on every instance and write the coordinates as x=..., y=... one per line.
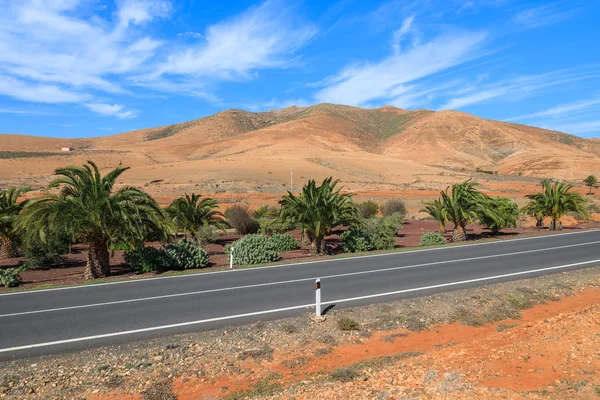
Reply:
x=279, y=310
x=202, y=274
x=372, y=271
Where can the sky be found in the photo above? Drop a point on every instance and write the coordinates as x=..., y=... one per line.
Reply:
x=86, y=68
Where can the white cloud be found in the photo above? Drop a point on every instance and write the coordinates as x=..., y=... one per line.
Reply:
x=387, y=79
x=64, y=51
x=561, y=110
x=40, y=93
x=116, y=110
x=575, y=128
x=262, y=37
x=401, y=33
x=518, y=87
x=542, y=15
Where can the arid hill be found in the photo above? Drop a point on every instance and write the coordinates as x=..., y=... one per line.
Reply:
x=371, y=150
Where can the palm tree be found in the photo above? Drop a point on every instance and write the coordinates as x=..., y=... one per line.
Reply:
x=537, y=209
x=555, y=201
x=463, y=205
x=9, y=210
x=590, y=181
x=436, y=210
x=317, y=210
x=190, y=214
x=89, y=206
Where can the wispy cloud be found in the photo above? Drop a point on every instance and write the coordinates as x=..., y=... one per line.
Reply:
x=16, y=111
x=63, y=51
x=521, y=86
x=561, y=110
x=115, y=110
x=264, y=36
x=391, y=77
x=576, y=128
x=543, y=15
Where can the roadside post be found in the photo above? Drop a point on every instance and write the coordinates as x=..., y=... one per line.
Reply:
x=318, y=298
x=231, y=257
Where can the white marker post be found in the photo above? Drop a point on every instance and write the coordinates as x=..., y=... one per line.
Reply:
x=318, y=298
x=231, y=257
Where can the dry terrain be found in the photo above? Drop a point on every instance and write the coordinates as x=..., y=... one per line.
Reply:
x=529, y=339
x=378, y=153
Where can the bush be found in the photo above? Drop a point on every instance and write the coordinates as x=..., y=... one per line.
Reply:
x=393, y=206
x=148, y=259
x=45, y=254
x=395, y=219
x=284, y=242
x=254, y=249
x=348, y=324
x=205, y=235
x=367, y=209
x=11, y=277
x=383, y=233
x=432, y=239
x=499, y=214
x=356, y=239
x=239, y=217
x=177, y=256
x=121, y=246
x=187, y=255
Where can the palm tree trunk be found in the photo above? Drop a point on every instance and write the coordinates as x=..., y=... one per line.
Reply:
x=459, y=234
x=317, y=246
x=553, y=226
x=98, y=263
x=539, y=223
x=6, y=248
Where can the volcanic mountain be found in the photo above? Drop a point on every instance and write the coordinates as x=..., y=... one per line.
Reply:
x=369, y=149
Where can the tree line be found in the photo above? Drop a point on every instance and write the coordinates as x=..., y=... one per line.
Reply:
x=86, y=207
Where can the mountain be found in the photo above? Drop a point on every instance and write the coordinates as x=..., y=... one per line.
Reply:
x=377, y=149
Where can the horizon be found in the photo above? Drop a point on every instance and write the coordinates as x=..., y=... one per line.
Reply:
x=87, y=68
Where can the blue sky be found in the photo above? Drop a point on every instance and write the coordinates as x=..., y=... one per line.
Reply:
x=83, y=68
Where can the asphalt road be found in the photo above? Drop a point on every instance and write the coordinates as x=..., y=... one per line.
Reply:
x=64, y=319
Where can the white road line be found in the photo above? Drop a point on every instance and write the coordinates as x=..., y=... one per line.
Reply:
x=202, y=274
x=372, y=271
x=279, y=310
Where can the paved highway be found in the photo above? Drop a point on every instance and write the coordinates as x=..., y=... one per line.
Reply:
x=63, y=319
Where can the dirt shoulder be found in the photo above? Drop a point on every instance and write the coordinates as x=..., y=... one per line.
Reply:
x=525, y=339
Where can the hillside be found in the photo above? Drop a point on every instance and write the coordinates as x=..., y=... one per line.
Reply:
x=371, y=150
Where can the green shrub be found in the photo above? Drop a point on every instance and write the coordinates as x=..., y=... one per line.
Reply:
x=367, y=209
x=148, y=259
x=500, y=213
x=284, y=242
x=395, y=219
x=254, y=249
x=356, y=239
x=45, y=254
x=239, y=217
x=393, y=206
x=11, y=277
x=121, y=246
x=432, y=239
x=383, y=233
x=205, y=235
x=187, y=255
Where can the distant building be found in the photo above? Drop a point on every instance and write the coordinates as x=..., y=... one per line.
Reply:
x=66, y=149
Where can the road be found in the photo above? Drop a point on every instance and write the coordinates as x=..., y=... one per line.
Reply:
x=65, y=319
